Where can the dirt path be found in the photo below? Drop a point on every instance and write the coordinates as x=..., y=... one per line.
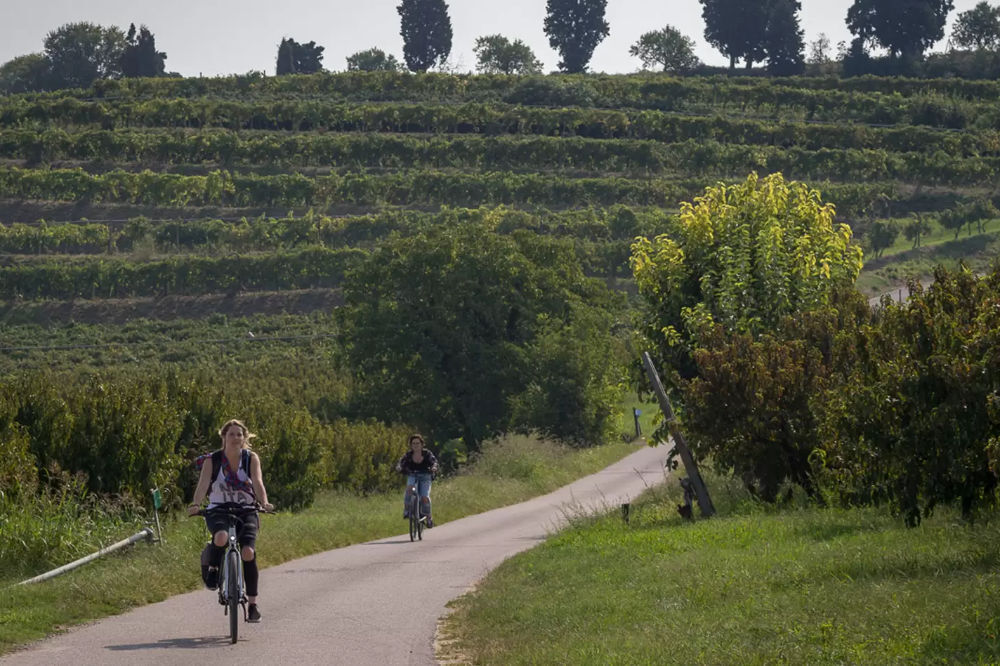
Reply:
x=374, y=603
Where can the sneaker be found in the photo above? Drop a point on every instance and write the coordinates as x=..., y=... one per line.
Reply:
x=430, y=523
x=253, y=613
x=212, y=578
x=406, y=515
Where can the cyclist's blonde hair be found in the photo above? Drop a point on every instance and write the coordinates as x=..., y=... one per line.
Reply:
x=247, y=435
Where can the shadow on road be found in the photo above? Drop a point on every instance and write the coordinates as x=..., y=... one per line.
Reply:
x=170, y=643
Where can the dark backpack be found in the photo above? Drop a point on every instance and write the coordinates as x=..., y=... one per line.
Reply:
x=217, y=463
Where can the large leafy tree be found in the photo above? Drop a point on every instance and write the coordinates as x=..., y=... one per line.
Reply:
x=447, y=328
x=575, y=28
x=737, y=28
x=783, y=39
x=373, y=60
x=140, y=57
x=978, y=28
x=498, y=55
x=905, y=28
x=426, y=30
x=666, y=48
x=80, y=53
x=296, y=58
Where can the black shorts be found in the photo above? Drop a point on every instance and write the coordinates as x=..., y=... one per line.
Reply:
x=246, y=533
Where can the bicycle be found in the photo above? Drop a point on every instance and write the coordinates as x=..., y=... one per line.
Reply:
x=232, y=587
x=417, y=521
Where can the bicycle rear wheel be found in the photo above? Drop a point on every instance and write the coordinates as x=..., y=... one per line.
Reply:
x=233, y=592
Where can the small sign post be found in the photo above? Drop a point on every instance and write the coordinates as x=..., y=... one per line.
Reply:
x=157, y=503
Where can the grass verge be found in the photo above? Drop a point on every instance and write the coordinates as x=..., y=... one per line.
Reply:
x=510, y=470
x=753, y=586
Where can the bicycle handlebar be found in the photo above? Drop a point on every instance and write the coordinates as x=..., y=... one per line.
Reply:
x=230, y=509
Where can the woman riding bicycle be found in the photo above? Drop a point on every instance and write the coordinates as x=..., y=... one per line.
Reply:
x=239, y=480
x=419, y=465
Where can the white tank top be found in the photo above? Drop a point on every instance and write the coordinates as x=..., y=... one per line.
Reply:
x=224, y=491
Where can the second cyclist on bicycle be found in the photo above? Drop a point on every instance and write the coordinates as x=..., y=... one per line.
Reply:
x=420, y=465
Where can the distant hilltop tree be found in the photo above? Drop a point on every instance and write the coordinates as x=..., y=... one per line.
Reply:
x=667, y=49
x=140, y=57
x=905, y=28
x=296, y=58
x=27, y=73
x=426, y=31
x=783, y=39
x=373, y=60
x=81, y=53
x=498, y=55
x=574, y=29
x=737, y=28
x=978, y=28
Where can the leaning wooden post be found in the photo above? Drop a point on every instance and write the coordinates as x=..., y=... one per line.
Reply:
x=701, y=492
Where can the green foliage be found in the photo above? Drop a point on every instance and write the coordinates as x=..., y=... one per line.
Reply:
x=439, y=325
x=978, y=28
x=496, y=54
x=881, y=234
x=426, y=31
x=373, y=60
x=296, y=58
x=912, y=422
x=743, y=256
x=668, y=48
x=751, y=407
x=80, y=53
x=904, y=27
x=140, y=57
x=783, y=41
x=736, y=28
x=27, y=73
x=573, y=384
x=574, y=29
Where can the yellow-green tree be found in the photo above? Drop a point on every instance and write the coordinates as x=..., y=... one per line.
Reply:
x=743, y=256
x=728, y=294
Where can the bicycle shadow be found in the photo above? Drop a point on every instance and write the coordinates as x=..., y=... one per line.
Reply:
x=171, y=643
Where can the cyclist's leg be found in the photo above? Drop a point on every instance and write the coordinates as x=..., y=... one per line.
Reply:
x=216, y=548
x=424, y=490
x=410, y=480
x=248, y=551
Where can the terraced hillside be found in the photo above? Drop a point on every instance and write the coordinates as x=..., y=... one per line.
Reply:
x=244, y=196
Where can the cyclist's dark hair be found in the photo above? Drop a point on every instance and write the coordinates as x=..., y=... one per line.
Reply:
x=416, y=435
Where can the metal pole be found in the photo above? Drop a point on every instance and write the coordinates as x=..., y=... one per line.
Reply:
x=690, y=466
x=146, y=533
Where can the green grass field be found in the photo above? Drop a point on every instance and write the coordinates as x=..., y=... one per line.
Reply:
x=750, y=586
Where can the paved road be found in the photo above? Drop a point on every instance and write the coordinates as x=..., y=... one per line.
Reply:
x=373, y=603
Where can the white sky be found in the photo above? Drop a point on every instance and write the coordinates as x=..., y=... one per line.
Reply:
x=218, y=37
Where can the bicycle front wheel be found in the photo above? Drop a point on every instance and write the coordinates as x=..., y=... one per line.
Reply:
x=233, y=592
x=414, y=520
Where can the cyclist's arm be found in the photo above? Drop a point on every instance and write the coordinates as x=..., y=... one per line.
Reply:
x=257, y=478
x=204, y=481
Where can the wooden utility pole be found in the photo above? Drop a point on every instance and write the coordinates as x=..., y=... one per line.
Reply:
x=701, y=492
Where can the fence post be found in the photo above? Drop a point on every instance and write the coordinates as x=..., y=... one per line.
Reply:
x=701, y=492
